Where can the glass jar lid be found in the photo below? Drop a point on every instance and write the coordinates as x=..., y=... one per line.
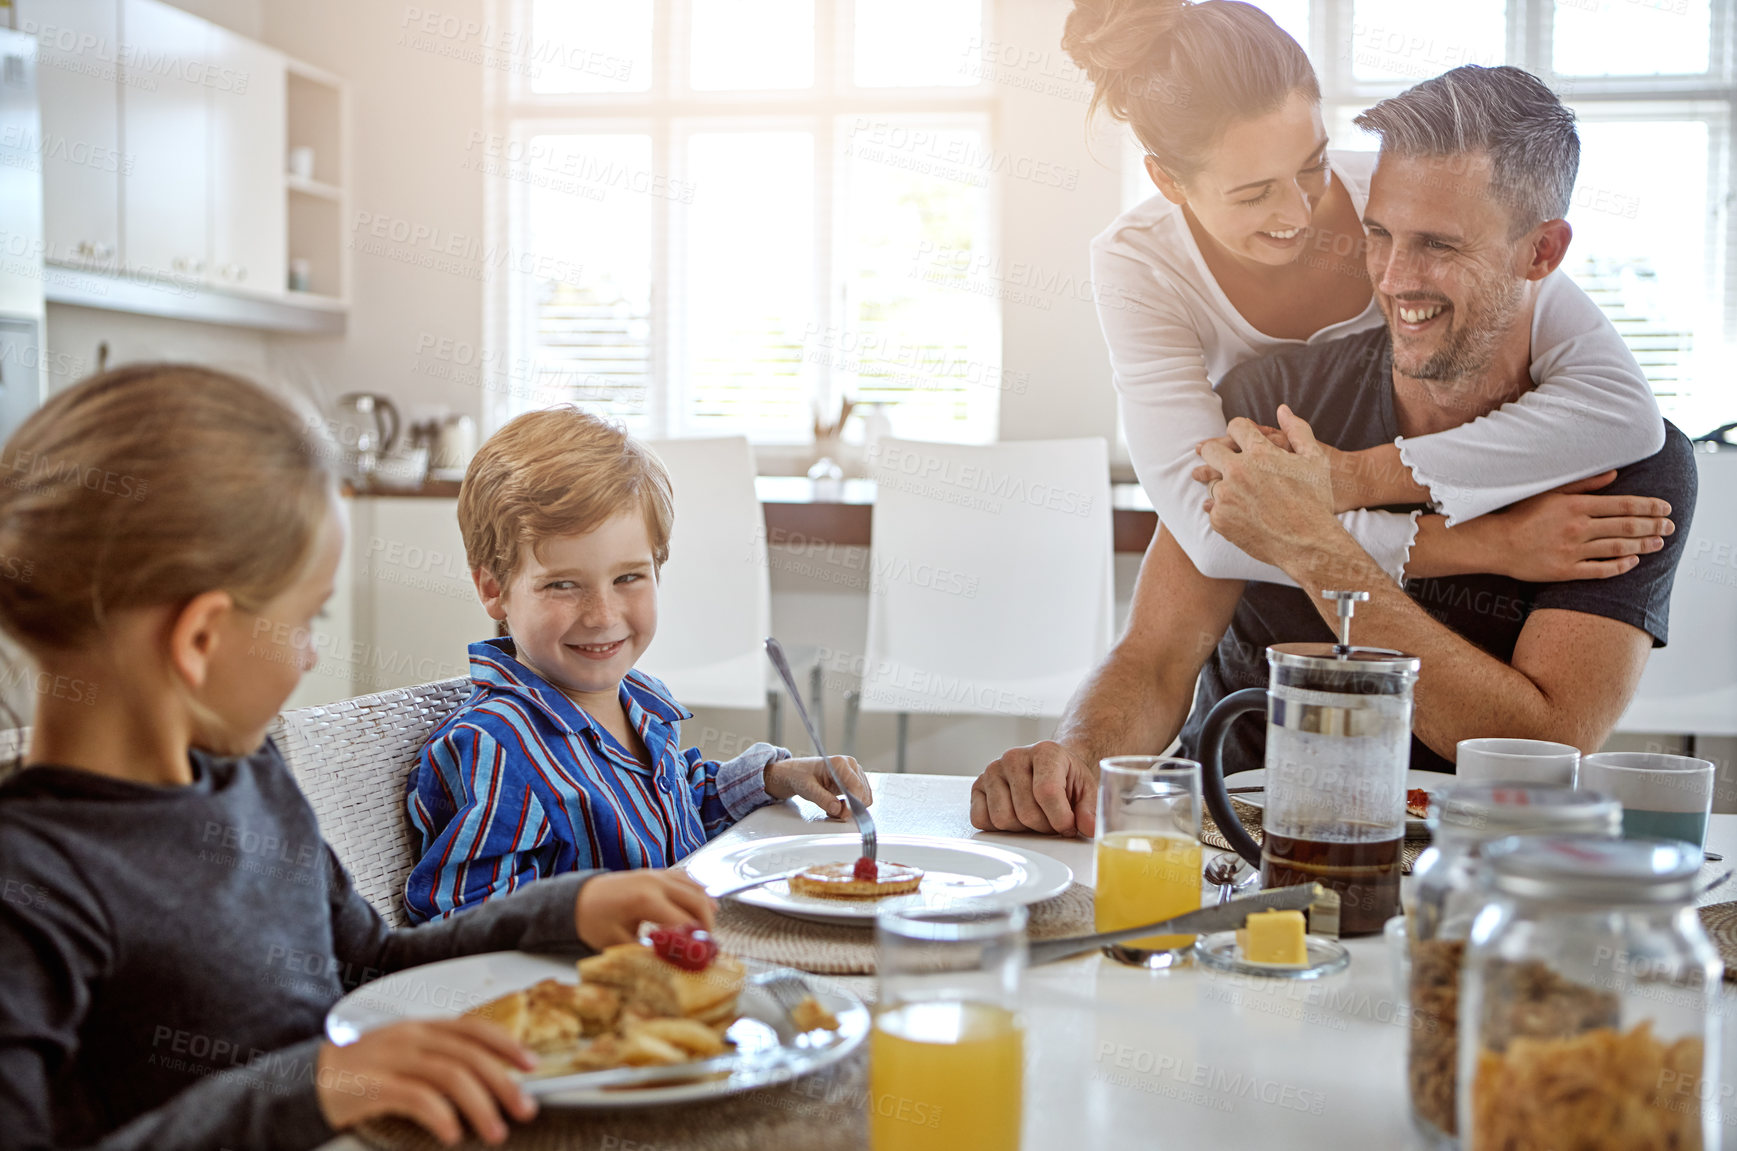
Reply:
x=1588, y=870
x=1330, y=667
x=1495, y=810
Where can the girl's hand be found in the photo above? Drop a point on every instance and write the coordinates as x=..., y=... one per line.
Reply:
x=430, y=1072
x=808, y=778
x=1568, y=534
x=611, y=907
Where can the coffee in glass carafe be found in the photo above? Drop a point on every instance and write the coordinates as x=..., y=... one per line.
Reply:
x=1338, y=745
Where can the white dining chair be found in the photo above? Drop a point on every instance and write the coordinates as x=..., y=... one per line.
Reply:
x=991, y=586
x=1690, y=685
x=352, y=760
x=715, y=592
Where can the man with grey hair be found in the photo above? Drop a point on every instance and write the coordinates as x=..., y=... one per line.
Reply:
x=1464, y=222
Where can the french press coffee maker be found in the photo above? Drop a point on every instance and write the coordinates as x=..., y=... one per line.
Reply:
x=1338, y=745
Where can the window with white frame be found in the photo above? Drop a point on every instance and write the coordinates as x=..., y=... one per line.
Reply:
x=1651, y=84
x=757, y=209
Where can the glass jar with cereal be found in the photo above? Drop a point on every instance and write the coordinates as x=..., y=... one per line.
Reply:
x=1447, y=890
x=1587, y=999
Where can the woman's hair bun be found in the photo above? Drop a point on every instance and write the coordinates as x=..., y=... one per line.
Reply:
x=1113, y=40
x=1178, y=73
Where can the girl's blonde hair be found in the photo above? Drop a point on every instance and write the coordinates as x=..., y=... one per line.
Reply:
x=149, y=485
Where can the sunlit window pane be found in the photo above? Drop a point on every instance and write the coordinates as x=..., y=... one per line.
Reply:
x=1408, y=40
x=750, y=284
x=914, y=336
x=1640, y=247
x=1291, y=15
x=587, y=47
x=918, y=43
x=751, y=44
x=1631, y=37
x=586, y=256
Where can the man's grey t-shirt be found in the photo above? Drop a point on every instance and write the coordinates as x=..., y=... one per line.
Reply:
x=1344, y=389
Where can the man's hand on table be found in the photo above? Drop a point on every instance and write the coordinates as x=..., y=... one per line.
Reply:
x=1271, y=501
x=1044, y=787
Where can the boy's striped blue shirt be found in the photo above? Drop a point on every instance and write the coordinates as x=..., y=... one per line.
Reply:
x=519, y=783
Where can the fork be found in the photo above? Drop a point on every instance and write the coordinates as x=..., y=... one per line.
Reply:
x=787, y=990
x=858, y=810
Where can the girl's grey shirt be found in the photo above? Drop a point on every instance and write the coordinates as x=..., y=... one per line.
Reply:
x=168, y=955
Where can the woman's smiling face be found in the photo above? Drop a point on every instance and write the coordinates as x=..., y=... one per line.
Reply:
x=1257, y=192
x=581, y=609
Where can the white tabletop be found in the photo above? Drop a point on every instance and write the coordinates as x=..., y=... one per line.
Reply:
x=1124, y=1057
x=1130, y=1058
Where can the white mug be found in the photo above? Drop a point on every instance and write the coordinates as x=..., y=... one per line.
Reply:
x=1662, y=796
x=1516, y=761
x=301, y=162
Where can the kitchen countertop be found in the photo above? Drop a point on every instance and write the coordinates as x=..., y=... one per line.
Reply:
x=800, y=511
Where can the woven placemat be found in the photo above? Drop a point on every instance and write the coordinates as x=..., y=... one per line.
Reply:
x=846, y=949
x=826, y=1111
x=1720, y=920
x=1250, y=815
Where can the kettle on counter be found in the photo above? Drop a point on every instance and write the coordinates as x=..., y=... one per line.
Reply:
x=367, y=427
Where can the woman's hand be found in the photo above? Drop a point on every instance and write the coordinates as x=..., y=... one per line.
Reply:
x=1570, y=534
x=808, y=778
x=430, y=1072
x=611, y=907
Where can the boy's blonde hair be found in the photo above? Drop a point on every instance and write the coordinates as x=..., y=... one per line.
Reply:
x=557, y=472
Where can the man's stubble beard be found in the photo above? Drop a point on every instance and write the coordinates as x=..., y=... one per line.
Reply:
x=1471, y=346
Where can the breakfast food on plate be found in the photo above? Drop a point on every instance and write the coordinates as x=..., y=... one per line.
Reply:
x=553, y=1015
x=634, y=1006
x=852, y=881
x=809, y=1015
x=1417, y=803
x=651, y=986
x=1274, y=937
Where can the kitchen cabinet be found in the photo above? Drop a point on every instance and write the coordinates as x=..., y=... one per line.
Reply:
x=82, y=160
x=164, y=149
x=164, y=105
x=248, y=224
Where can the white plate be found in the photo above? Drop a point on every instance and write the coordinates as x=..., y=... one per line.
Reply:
x=447, y=989
x=1430, y=781
x=953, y=869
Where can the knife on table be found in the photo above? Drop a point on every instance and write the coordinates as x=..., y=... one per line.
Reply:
x=1321, y=904
x=618, y=1077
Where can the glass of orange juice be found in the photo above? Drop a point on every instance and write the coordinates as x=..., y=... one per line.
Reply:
x=947, y=1050
x=1148, y=852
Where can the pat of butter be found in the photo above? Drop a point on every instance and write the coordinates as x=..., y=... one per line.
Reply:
x=1274, y=937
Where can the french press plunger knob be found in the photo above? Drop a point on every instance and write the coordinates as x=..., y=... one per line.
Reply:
x=1347, y=601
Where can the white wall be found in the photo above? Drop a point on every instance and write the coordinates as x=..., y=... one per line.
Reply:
x=75, y=335
x=1046, y=229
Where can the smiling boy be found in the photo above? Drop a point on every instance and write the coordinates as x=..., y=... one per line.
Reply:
x=565, y=756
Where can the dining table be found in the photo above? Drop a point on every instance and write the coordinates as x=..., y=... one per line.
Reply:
x=1118, y=1056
